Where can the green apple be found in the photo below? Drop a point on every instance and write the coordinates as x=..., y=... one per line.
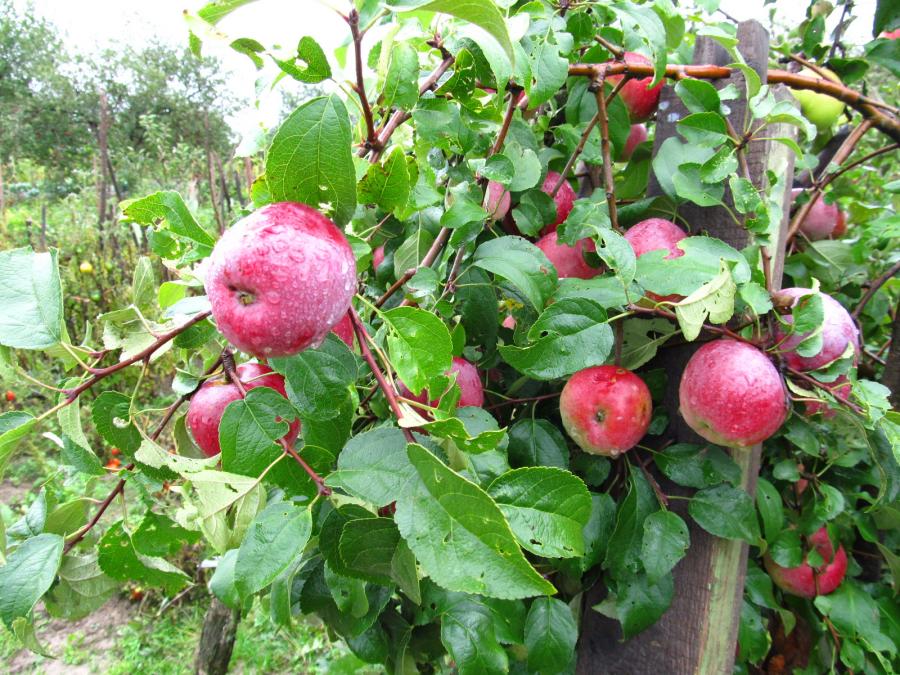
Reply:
x=820, y=109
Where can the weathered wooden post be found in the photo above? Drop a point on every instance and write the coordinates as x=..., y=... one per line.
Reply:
x=698, y=634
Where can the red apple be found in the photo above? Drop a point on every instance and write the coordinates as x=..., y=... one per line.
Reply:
x=496, y=200
x=208, y=404
x=10, y=396
x=891, y=35
x=640, y=101
x=344, y=330
x=732, y=395
x=838, y=331
x=840, y=228
x=564, y=199
x=822, y=221
x=637, y=136
x=280, y=279
x=840, y=389
x=471, y=392
x=568, y=260
x=377, y=257
x=656, y=234
x=606, y=410
x=803, y=580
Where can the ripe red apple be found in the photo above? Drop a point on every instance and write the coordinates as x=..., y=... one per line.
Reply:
x=891, y=35
x=805, y=581
x=377, y=257
x=10, y=396
x=822, y=221
x=280, y=279
x=496, y=200
x=838, y=331
x=568, y=260
x=732, y=395
x=471, y=392
x=564, y=199
x=208, y=404
x=637, y=136
x=344, y=330
x=840, y=228
x=640, y=101
x=656, y=234
x=606, y=410
x=840, y=389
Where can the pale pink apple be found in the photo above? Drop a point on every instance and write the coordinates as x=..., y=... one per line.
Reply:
x=471, y=392
x=496, y=200
x=806, y=581
x=564, y=199
x=280, y=279
x=636, y=136
x=568, y=260
x=606, y=410
x=655, y=234
x=822, y=220
x=344, y=330
x=838, y=331
x=377, y=257
x=731, y=394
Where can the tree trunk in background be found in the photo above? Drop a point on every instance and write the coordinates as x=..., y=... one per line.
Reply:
x=2, y=200
x=223, y=183
x=237, y=188
x=211, y=176
x=248, y=173
x=44, y=226
x=217, y=639
x=698, y=633
x=891, y=376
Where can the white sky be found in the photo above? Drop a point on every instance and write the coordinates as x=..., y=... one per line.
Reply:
x=93, y=24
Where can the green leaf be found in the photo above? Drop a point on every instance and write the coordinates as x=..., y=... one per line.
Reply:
x=14, y=425
x=27, y=575
x=316, y=66
x=119, y=560
x=713, y=300
x=31, y=297
x=401, y=88
x=623, y=555
x=640, y=602
x=887, y=17
x=318, y=380
x=459, y=535
x=371, y=548
x=221, y=584
x=111, y=413
x=537, y=442
x=598, y=530
x=471, y=631
x=68, y=517
x=159, y=535
x=771, y=509
x=215, y=11
x=386, y=185
x=852, y=610
x=549, y=70
x=753, y=637
x=143, y=284
x=642, y=338
x=726, y=512
x=547, y=509
x=374, y=466
x=462, y=212
x=309, y=160
x=273, y=541
x=570, y=335
x=82, y=588
x=412, y=251
x=521, y=263
x=698, y=95
x=167, y=212
x=474, y=430
x=419, y=345
x=701, y=262
x=550, y=635
x=482, y=13
x=665, y=542
x=697, y=466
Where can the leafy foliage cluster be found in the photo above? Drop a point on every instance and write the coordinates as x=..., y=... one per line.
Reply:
x=477, y=540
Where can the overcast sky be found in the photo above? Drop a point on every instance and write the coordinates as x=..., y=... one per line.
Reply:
x=92, y=24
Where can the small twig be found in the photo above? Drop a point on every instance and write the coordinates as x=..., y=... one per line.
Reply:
x=504, y=128
x=839, y=29
x=608, y=181
x=873, y=289
x=617, y=52
x=371, y=135
x=657, y=490
x=709, y=328
x=803, y=377
x=430, y=256
x=796, y=58
x=574, y=157
x=362, y=337
x=527, y=399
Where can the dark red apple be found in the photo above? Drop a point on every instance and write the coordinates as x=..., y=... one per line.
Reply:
x=804, y=580
x=496, y=200
x=840, y=228
x=377, y=257
x=280, y=279
x=838, y=331
x=606, y=410
x=640, y=101
x=637, y=136
x=823, y=219
x=208, y=404
x=471, y=392
x=732, y=395
x=344, y=330
x=656, y=234
x=564, y=199
x=568, y=260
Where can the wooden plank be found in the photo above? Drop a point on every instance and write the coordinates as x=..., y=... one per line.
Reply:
x=698, y=634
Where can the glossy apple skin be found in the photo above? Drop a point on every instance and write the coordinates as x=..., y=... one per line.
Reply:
x=564, y=199
x=732, y=395
x=606, y=410
x=656, y=234
x=822, y=221
x=820, y=109
x=838, y=331
x=377, y=257
x=344, y=330
x=640, y=101
x=568, y=260
x=803, y=580
x=208, y=404
x=840, y=389
x=471, y=393
x=636, y=136
x=280, y=279
x=496, y=200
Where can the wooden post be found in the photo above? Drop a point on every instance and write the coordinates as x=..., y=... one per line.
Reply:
x=217, y=639
x=891, y=376
x=698, y=634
